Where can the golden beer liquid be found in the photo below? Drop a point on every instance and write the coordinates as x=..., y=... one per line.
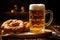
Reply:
x=37, y=20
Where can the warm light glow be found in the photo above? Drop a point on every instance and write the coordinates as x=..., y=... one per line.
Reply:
x=15, y=5
x=12, y=11
x=22, y=9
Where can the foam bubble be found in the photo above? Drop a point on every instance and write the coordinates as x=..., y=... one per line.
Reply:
x=36, y=6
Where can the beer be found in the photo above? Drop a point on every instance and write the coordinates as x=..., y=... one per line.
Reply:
x=37, y=17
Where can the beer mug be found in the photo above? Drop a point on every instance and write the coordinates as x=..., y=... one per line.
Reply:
x=37, y=15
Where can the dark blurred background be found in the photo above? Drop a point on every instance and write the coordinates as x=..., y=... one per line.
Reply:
x=7, y=5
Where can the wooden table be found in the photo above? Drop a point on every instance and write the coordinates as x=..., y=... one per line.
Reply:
x=29, y=35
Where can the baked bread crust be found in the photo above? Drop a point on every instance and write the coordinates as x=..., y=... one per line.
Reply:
x=15, y=26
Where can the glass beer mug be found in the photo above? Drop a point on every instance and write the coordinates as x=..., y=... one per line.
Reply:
x=37, y=15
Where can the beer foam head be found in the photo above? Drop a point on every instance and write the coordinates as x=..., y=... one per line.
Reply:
x=36, y=6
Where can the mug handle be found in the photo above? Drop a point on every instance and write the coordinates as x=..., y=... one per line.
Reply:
x=51, y=17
